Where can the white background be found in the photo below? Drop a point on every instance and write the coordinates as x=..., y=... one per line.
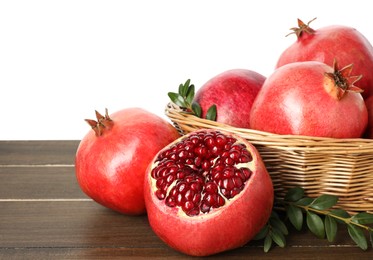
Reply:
x=61, y=60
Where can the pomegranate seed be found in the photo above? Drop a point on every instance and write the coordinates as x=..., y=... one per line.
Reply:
x=160, y=194
x=228, y=173
x=221, y=201
x=224, y=154
x=237, y=182
x=180, y=175
x=201, y=151
x=245, y=158
x=215, y=150
x=194, y=139
x=182, y=154
x=225, y=192
x=206, y=165
x=210, y=199
x=181, y=187
x=221, y=140
x=159, y=183
x=229, y=161
x=234, y=155
x=173, y=192
x=189, y=178
x=234, y=192
x=170, y=178
x=247, y=172
x=179, y=199
x=211, y=188
x=205, y=208
x=170, y=202
x=197, y=198
x=189, y=194
x=228, y=184
x=188, y=145
x=240, y=174
x=209, y=141
x=196, y=186
x=197, y=161
x=193, y=212
x=188, y=205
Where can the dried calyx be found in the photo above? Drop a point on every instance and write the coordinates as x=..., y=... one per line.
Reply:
x=342, y=81
x=302, y=27
x=102, y=124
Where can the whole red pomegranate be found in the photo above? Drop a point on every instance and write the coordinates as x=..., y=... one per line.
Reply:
x=343, y=43
x=310, y=98
x=369, y=130
x=208, y=192
x=112, y=159
x=233, y=93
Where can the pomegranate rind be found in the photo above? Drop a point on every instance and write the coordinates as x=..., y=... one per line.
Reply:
x=233, y=92
x=222, y=229
x=294, y=100
x=346, y=44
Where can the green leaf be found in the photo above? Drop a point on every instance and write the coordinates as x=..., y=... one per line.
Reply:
x=363, y=218
x=315, y=224
x=183, y=88
x=189, y=94
x=304, y=201
x=177, y=99
x=330, y=228
x=324, y=202
x=267, y=243
x=278, y=224
x=357, y=235
x=294, y=194
x=196, y=109
x=262, y=233
x=278, y=237
x=211, y=113
x=371, y=237
x=340, y=213
x=295, y=215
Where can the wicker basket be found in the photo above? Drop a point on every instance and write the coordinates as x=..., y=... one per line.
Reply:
x=342, y=167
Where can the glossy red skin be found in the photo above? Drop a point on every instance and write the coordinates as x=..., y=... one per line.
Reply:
x=222, y=229
x=110, y=168
x=233, y=92
x=369, y=129
x=343, y=43
x=293, y=101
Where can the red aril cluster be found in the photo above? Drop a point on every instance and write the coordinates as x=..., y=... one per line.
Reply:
x=208, y=192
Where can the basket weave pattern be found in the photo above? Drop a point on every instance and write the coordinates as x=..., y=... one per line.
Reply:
x=341, y=167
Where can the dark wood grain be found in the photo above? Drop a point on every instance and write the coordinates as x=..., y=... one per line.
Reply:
x=37, y=152
x=85, y=227
x=40, y=182
x=45, y=215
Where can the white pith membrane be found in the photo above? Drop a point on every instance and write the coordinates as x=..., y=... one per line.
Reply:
x=196, y=186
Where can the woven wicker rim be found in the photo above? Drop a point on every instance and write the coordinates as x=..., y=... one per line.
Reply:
x=187, y=122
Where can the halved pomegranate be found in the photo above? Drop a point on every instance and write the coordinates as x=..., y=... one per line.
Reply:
x=208, y=192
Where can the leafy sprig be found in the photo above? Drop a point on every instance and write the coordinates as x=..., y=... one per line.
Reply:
x=320, y=217
x=184, y=99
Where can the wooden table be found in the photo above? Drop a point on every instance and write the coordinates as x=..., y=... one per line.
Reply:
x=44, y=215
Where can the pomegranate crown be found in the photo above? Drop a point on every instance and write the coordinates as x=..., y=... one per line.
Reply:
x=343, y=80
x=103, y=123
x=302, y=27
